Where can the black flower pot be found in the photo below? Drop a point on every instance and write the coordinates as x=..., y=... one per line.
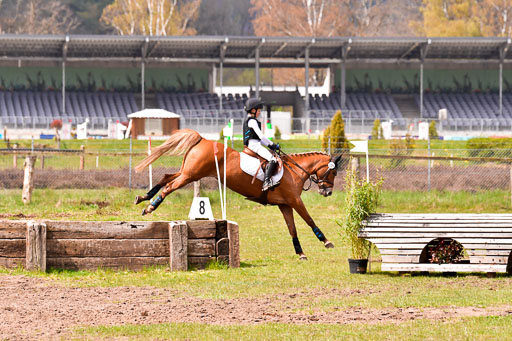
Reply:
x=358, y=266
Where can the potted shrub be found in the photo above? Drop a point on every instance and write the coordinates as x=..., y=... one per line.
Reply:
x=361, y=201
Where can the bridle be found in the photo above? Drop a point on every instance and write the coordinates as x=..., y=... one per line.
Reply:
x=312, y=177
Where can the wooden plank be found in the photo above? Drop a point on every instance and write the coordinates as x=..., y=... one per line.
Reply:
x=443, y=267
x=199, y=229
x=487, y=252
x=108, y=248
x=201, y=247
x=107, y=229
x=415, y=252
x=35, y=258
x=412, y=246
x=13, y=248
x=13, y=229
x=199, y=262
x=439, y=215
x=488, y=259
x=178, y=241
x=234, y=245
x=400, y=259
x=93, y=263
x=434, y=235
x=12, y=262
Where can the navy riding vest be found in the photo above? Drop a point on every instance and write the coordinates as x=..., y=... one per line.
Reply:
x=249, y=133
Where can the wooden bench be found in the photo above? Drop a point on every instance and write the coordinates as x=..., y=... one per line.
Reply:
x=402, y=238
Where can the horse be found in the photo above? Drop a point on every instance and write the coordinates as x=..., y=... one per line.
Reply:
x=199, y=162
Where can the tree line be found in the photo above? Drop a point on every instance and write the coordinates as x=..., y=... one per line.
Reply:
x=367, y=18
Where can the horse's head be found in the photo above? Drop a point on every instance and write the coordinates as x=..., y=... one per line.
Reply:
x=326, y=174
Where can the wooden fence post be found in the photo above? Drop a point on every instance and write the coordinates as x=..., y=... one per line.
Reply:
x=82, y=157
x=356, y=165
x=28, y=179
x=178, y=244
x=42, y=160
x=234, y=246
x=197, y=188
x=15, y=156
x=36, y=246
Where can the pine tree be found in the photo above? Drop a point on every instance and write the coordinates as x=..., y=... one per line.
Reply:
x=432, y=130
x=377, y=130
x=336, y=131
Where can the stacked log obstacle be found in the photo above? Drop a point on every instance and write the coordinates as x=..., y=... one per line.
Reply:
x=402, y=240
x=88, y=245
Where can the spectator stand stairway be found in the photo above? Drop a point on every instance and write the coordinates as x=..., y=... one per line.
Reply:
x=404, y=241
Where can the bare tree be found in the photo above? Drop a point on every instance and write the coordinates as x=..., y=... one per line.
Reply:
x=496, y=17
x=36, y=17
x=151, y=17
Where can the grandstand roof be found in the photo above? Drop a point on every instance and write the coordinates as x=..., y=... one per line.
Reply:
x=239, y=50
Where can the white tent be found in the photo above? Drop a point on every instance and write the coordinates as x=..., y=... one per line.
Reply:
x=153, y=113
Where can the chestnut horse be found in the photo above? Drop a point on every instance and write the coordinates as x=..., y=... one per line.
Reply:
x=199, y=162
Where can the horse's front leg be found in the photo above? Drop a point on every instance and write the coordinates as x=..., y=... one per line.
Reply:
x=301, y=210
x=287, y=212
x=153, y=191
x=175, y=184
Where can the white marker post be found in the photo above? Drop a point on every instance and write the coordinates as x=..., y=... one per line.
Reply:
x=150, y=168
x=362, y=147
x=215, y=150
x=225, y=158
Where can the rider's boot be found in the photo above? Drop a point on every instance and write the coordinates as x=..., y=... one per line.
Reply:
x=267, y=183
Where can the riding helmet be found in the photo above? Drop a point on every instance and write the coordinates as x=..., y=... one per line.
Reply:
x=253, y=103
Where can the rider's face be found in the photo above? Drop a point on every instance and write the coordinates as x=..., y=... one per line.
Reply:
x=258, y=112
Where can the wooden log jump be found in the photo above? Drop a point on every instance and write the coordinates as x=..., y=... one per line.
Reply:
x=78, y=245
x=403, y=238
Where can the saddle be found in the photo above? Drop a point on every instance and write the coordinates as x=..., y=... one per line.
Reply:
x=263, y=162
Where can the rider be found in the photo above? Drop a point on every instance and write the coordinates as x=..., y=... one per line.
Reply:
x=253, y=138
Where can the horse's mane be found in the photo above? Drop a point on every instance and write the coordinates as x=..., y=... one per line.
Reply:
x=307, y=154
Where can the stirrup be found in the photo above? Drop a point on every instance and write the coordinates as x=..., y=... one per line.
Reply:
x=267, y=184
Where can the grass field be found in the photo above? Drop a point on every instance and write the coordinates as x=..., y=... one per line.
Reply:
x=269, y=268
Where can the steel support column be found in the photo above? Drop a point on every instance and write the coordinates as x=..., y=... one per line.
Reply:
x=64, y=56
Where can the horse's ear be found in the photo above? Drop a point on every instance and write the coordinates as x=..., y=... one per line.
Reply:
x=337, y=161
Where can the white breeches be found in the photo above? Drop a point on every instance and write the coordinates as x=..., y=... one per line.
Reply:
x=257, y=147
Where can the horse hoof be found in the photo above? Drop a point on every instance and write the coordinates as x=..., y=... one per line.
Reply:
x=138, y=200
x=329, y=245
x=303, y=257
x=144, y=212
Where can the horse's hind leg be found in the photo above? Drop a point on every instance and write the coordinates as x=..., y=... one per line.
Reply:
x=287, y=212
x=170, y=187
x=153, y=191
x=301, y=210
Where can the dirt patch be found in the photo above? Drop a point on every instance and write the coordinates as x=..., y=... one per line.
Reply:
x=33, y=308
x=16, y=216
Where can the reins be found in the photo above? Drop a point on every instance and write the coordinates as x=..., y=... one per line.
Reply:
x=312, y=177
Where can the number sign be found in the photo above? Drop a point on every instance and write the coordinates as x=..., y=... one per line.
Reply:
x=200, y=209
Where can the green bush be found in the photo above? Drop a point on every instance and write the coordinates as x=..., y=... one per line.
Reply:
x=489, y=147
x=361, y=201
x=277, y=133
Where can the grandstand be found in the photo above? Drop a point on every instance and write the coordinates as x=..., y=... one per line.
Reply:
x=405, y=80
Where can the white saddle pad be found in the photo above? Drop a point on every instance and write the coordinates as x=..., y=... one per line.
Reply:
x=251, y=165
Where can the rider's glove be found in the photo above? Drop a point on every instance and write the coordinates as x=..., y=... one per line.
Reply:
x=274, y=146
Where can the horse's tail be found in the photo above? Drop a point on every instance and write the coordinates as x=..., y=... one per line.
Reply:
x=178, y=144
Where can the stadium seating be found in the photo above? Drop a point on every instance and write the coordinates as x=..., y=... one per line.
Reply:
x=358, y=106
x=201, y=104
x=40, y=108
x=469, y=111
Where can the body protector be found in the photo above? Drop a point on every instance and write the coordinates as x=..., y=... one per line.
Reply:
x=249, y=133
